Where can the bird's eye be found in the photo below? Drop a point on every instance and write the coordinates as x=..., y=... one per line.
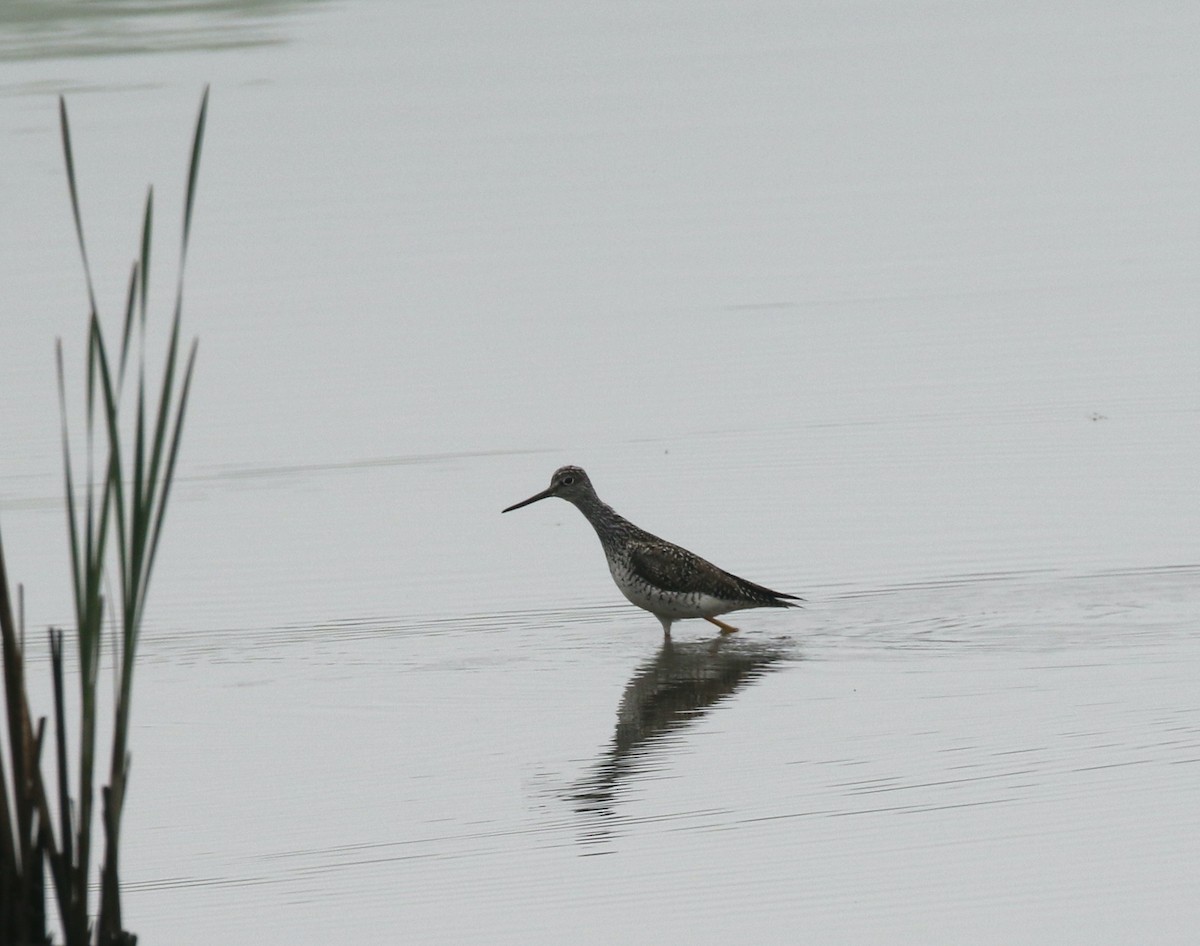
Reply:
x=568, y=480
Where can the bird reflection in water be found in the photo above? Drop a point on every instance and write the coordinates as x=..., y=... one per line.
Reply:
x=683, y=681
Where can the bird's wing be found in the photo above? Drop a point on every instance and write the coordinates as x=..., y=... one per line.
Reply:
x=674, y=569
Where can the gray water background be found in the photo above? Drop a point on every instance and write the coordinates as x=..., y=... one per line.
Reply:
x=889, y=305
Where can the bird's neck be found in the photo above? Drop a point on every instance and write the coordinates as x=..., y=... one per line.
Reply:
x=609, y=524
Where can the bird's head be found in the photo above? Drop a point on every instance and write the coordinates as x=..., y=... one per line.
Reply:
x=568, y=482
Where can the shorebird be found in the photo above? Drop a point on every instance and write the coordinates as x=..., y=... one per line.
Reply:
x=668, y=581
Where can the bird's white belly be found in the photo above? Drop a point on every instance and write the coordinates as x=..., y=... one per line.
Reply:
x=669, y=605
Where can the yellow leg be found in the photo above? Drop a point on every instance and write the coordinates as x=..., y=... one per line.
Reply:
x=725, y=628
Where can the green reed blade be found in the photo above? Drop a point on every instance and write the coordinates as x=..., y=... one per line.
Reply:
x=72, y=529
x=144, y=256
x=66, y=141
x=193, y=176
x=127, y=330
x=169, y=475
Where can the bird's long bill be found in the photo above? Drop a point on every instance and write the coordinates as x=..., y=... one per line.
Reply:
x=532, y=499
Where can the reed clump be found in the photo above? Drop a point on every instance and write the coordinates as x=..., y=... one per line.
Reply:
x=115, y=515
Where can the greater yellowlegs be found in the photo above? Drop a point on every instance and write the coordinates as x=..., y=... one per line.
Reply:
x=668, y=581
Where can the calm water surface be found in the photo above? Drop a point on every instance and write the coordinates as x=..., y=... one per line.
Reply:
x=892, y=307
